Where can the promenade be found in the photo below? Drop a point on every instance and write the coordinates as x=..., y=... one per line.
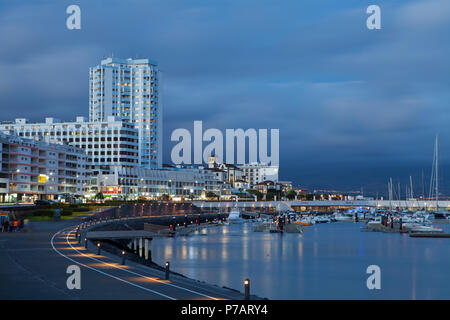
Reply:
x=33, y=266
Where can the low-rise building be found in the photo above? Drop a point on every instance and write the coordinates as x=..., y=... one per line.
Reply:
x=33, y=169
x=256, y=173
x=131, y=183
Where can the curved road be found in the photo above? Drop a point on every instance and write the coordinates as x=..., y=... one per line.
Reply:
x=33, y=265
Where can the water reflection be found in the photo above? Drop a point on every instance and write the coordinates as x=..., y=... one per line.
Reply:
x=328, y=261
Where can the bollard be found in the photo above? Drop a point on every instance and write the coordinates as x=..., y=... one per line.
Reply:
x=98, y=246
x=79, y=238
x=85, y=243
x=167, y=269
x=123, y=257
x=246, y=289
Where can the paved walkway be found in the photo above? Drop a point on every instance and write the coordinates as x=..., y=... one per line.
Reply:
x=33, y=266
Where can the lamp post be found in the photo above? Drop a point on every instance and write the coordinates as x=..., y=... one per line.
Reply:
x=167, y=270
x=246, y=289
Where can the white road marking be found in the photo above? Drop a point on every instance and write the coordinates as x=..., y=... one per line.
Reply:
x=109, y=275
x=67, y=233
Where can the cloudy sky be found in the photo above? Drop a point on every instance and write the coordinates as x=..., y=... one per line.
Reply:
x=354, y=106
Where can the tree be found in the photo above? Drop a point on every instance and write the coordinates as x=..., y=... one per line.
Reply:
x=258, y=194
x=165, y=196
x=99, y=196
x=271, y=193
x=291, y=194
x=211, y=194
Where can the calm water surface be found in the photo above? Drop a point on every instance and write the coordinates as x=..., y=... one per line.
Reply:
x=327, y=261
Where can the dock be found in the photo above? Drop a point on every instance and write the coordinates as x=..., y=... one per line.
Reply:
x=428, y=235
x=271, y=227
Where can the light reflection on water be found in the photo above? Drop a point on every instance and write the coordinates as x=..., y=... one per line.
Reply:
x=327, y=261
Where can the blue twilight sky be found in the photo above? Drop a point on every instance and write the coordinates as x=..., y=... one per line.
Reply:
x=354, y=106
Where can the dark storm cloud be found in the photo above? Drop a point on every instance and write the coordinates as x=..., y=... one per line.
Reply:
x=341, y=95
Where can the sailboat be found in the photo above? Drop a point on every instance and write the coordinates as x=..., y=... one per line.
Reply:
x=434, y=185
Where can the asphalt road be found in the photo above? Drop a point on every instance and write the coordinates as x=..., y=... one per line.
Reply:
x=33, y=265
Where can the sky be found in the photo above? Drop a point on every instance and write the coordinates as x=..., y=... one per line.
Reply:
x=354, y=106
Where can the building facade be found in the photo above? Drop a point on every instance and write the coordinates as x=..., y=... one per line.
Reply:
x=35, y=169
x=124, y=182
x=106, y=143
x=129, y=89
x=256, y=173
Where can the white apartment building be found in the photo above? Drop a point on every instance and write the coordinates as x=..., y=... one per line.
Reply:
x=4, y=168
x=256, y=173
x=109, y=142
x=36, y=169
x=129, y=89
x=154, y=183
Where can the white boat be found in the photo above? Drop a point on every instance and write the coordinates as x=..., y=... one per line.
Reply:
x=425, y=229
x=235, y=217
x=322, y=220
x=375, y=221
x=343, y=218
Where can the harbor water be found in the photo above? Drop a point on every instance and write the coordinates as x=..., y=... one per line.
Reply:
x=326, y=261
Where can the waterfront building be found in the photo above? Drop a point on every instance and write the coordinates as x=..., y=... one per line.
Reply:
x=229, y=173
x=285, y=186
x=131, y=183
x=33, y=169
x=129, y=89
x=106, y=143
x=4, y=168
x=256, y=173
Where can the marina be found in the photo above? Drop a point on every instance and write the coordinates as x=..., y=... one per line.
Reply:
x=326, y=261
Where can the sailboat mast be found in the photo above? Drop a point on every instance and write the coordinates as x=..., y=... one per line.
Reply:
x=436, y=169
x=411, y=186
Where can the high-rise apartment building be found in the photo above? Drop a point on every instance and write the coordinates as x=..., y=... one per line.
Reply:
x=129, y=89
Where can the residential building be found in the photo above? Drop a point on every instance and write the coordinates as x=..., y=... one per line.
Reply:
x=129, y=89
x=226, y=172
x=34, y=169
x=256, y=173
x=106, y=143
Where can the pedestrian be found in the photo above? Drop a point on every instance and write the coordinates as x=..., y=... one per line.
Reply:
x=21, y=224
